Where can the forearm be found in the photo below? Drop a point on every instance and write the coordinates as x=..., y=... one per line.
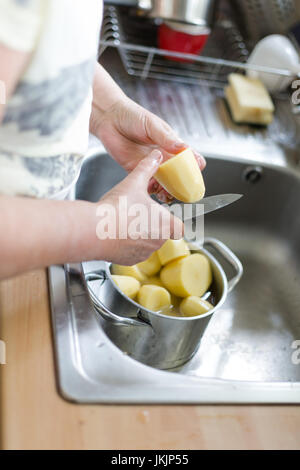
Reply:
x=105, y=94
x=38, y=233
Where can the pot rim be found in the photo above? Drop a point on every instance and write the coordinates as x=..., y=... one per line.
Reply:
x=210, y=312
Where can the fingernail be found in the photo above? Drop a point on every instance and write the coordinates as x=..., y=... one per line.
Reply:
x=199, y=157
x=197, y=154
x=179, y=144
x=169, y=198
x=161, y=196
x=201, y=161
x=156, y=156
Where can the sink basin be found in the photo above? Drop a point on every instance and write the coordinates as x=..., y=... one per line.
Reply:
x=249, y=351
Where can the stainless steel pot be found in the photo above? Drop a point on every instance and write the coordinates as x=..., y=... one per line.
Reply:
x=160, y=341
x=258, y=18
x=196, y=12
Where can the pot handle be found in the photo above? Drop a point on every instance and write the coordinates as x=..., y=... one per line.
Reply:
x=230, y=257
x=106, y=312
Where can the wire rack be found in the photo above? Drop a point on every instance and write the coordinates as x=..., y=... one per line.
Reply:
x=136, y=40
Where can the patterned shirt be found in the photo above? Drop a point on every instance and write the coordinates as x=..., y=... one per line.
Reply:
x=45, y=128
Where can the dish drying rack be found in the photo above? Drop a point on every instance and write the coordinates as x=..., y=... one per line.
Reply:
x=135, y=37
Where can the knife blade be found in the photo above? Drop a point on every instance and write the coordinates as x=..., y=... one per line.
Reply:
x=211, y=203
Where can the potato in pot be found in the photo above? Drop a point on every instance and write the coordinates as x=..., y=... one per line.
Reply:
x=153, y=297
x=192, y=306
x=187, y=276
x=171, y=250
x=150, y=266
x=128, y=285
x=154, y=280
x=132, y=271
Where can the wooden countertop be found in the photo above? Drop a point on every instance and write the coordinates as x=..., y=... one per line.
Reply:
x=34, y=416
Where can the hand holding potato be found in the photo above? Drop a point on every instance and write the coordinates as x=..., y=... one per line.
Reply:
x=181, y=177
x=128, y=251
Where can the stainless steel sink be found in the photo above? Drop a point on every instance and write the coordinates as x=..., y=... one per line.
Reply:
x=248, y=353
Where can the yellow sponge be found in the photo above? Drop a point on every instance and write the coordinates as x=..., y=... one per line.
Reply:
x=249, y=100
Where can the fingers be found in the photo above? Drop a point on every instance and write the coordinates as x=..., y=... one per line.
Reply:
x=147, y=167
x=162, y=135
x=163, y=196
x=200, y=159
x=153, y=186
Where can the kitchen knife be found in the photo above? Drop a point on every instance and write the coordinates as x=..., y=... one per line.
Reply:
x=210, y=204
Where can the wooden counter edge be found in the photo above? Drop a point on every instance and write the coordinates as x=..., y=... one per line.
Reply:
x=34, y=416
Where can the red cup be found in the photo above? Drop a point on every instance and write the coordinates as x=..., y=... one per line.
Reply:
x=175, y=38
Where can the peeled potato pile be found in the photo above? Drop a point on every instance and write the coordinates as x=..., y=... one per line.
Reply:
x=132, y=271
x=128, y=285
x=151, y=266
x=193, y=306
x=171, y=280
x=154, y=280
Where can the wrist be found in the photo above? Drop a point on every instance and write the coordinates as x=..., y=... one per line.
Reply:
x=105, y=102
x=106, y=92
x=103, y=243
x=100, y=110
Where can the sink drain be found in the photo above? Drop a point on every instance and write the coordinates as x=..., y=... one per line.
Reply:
x=252, y=174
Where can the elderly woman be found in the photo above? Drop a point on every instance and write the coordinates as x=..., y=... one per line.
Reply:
x=56, y=93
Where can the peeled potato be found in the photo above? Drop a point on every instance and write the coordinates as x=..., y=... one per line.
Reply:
x=193, y=306
x=187, y=276
x=181, y=177
x=175, y=301
x=151, y=265
x=171, y=250
x=132, y=271
x=153, y=297
x=154, y=280
x=128, y=285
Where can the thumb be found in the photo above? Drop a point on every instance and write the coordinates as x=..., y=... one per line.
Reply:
x=147, y=167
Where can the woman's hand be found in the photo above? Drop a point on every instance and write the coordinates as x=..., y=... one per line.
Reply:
x=156, y=225
x=58, y=232
x=129, y=132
